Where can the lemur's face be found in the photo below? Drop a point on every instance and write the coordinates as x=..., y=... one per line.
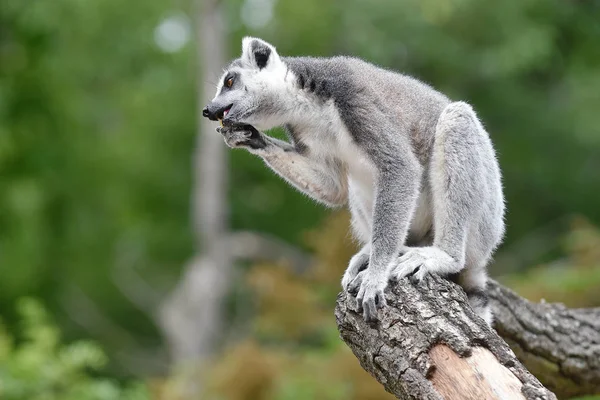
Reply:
x=248, y=91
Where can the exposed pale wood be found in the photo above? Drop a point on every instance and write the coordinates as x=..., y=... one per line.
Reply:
x=478, y=376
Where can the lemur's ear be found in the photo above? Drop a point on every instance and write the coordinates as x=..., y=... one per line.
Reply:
x=258, y=53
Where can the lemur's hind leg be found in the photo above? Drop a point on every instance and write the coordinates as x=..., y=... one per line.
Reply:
x=459, y=185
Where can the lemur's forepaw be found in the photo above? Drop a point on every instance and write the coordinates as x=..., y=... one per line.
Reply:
x=417, y=262
x=233, y=137
x=242, y=136
x=368, y=289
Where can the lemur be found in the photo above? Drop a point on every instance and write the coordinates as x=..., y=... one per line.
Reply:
x=418, y=171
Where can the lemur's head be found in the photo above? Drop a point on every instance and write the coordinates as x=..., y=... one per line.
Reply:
x=251, y=89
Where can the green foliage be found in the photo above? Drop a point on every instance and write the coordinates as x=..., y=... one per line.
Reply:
x=90, y=151
x=37, y=366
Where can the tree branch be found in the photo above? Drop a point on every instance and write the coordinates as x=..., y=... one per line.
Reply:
x=429, y=344
x=560, y=346
x=249, y=245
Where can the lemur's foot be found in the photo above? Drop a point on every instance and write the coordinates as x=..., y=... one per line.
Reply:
x=420, y=261
x=368, y=288
x=358, y=263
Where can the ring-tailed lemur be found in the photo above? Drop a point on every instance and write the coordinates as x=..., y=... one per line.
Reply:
x=418, y=171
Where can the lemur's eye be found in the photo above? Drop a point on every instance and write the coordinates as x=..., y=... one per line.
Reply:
x=229, y=82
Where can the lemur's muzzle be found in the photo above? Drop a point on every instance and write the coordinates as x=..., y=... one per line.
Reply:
x=215, y=112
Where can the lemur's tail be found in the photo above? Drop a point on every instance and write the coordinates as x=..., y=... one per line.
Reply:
x=480, y=302
x=474, y=283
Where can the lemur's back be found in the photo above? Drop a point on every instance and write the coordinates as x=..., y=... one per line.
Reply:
x=359, y=86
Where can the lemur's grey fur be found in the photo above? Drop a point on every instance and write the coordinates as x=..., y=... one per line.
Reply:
x=418, y=171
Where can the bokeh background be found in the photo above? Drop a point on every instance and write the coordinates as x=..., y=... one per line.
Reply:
x=140, y=258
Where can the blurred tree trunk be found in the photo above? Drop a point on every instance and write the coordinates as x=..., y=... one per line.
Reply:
x=191, y=317
x=430, y=345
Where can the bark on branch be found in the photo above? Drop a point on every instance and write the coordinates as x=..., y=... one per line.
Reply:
x=429, y=344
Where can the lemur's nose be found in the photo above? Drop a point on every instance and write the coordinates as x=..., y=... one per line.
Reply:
x=209, y=113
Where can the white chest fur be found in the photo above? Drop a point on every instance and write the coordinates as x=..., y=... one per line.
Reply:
x=361, y=172
x=330, y=138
